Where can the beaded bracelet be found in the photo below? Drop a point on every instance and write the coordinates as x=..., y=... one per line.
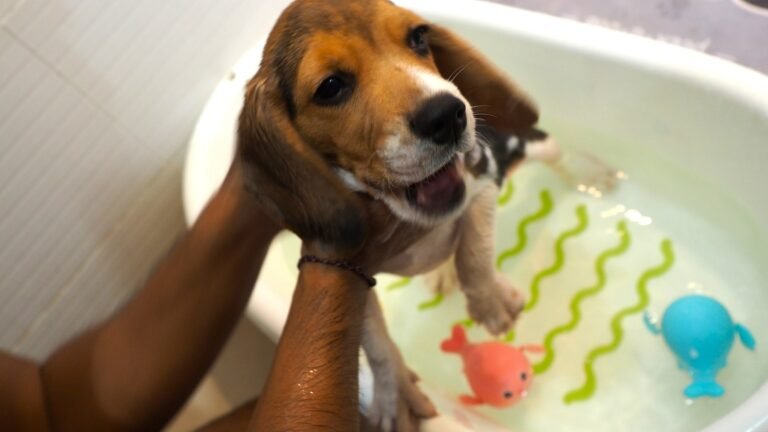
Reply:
x=339, y=264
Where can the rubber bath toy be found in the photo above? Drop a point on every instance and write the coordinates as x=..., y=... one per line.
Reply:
x=498, y=373
x=700, y=331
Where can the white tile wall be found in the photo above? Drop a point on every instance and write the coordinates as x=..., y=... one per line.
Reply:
x=7, y=8
x=97, y=100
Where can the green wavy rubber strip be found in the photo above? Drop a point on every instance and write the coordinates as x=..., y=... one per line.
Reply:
x=466, y=323
x=549, y=355
x=398, y=284
x=506, y=195
x=429, y=304
x=581, y=226
x=522, y=236
x=587, y=390
x=510, y=336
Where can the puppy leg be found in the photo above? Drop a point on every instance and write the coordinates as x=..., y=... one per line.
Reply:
x=443, y=279
x=576, y=167
x=540, y=146
x=398, y=403
x=491, y=299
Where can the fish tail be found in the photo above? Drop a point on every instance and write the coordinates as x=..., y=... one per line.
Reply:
x=457, y=342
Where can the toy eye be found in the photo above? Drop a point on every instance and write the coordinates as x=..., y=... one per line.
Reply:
x=523, y=376
x=333, y=90
x=417, y=40
x=508, y=394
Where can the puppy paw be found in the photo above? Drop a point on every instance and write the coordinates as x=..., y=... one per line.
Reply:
x=398, y=403
x=497, y=308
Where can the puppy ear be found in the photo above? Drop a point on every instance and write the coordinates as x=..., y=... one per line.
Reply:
x=483, y=84
x=291, y=180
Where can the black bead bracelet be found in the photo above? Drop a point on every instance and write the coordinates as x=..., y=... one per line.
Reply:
x=339, y=264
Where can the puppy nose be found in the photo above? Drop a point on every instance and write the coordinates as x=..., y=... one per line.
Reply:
x=442, y=118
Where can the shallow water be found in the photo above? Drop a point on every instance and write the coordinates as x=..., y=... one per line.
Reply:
x=717, y=251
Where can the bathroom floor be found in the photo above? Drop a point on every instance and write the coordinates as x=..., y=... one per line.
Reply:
x=731, y=29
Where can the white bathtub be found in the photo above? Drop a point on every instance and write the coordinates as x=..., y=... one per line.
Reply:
x=689, y=109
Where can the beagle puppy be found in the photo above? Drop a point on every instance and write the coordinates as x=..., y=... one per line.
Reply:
x=363, y=96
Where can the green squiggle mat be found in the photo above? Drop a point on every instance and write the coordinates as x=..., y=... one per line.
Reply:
x=435, y=302
x=466, y=323
x=587, y=390
x=522, y=236
x=583, y=222
x=506, y=194
x=549, y=339
x=401, y=283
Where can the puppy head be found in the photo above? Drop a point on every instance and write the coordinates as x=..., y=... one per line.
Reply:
x=381, y=96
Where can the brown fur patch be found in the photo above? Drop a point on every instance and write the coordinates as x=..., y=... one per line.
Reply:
x=295, y=140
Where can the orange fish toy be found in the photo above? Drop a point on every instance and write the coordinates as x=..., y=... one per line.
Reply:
x=498, y=373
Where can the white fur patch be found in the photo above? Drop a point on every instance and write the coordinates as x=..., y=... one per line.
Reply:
x=546, y=150
x=410, y=159
x=493, y=167
x=432, y=83
x=512, y=143
x=350, y=180
x=474, y=155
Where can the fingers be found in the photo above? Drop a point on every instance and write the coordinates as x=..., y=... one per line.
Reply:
x=388, y=228
x=407, y=420
x=419, y=404
x=387, y=237
x=290, y=179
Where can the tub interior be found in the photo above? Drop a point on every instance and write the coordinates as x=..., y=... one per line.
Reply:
x=638, y=385
x=679, y=187
x=693, y=157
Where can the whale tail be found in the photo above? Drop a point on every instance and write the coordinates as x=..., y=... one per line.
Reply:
x=704, y=388
x=651, y=324
x=746, y=336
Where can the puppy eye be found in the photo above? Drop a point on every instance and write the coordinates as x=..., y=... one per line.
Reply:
x=523, y=376
x=417, y=40
x=508, y=394
x=333, y=90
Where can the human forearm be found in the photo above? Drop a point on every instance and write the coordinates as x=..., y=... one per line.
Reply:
x=313, y=384
x=22, y=405
x=134, y=371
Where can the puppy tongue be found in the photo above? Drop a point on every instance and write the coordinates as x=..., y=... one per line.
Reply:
x=440, y=192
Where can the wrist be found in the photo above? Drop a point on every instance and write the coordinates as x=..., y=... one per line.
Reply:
x=332, y=279
x=348, y=266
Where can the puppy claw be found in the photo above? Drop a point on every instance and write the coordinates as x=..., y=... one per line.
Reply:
x=398, y=403
x=498, y=310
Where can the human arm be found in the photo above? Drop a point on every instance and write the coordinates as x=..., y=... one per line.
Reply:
x=136, y=369
x=313, y=384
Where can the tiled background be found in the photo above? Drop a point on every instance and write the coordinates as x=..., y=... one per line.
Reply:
x=98, y=98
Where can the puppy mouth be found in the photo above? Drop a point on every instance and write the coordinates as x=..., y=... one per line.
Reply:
x=440, y=192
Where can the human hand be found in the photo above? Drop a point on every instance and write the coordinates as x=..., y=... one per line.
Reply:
x=293, y=184
x=387, y=237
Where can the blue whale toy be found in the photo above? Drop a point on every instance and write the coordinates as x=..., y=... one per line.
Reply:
x=700, y=332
